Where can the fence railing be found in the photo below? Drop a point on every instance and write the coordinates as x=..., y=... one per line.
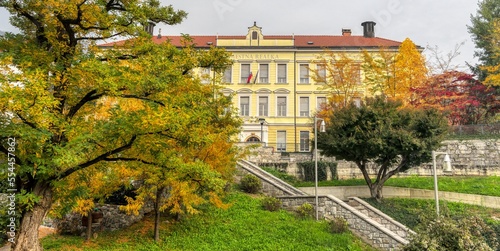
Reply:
x=486, y=129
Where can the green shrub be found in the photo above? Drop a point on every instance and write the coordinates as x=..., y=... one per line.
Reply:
x=337, y=225
x=467, y=234
x=305, y=211
x=250, y=184
x=271, y=204
x=307, y=170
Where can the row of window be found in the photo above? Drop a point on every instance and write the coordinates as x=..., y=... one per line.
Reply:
x=262, y=74
x=281, y=106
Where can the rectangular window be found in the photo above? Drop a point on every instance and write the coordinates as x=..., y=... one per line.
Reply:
x=245, y=72
x=304, y=141
x=263, y=73
x=281, y=73
x=281, y=141
x=245, y=106
x=227, y=76
x=304, y=106
x=320, y=103
x=263, y=106
x=321, y=73
x=281, y=109
x=304, y=73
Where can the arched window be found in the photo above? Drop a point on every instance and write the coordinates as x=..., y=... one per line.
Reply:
x=253, y=139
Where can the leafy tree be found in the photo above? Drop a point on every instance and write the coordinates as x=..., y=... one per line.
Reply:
x=493, y=70
x=482, y=27
x=462, y=98
x=378, y=68
x=75, y=110
x=383, y=136
x=394, y=74
x=411, y=70
x=340, y=74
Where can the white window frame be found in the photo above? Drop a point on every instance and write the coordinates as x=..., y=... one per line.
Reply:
x=304, y=69
x=263, y=75
x=281, y=144
x=279, y=112
x=263, y=111
x=304, y=113
x=281, y=80
x=244, y=75
x=244, y=111
x=304, y=142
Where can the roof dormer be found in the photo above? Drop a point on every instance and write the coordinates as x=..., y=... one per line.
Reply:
x=254, y=34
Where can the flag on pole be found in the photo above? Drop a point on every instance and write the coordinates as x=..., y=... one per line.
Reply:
x=249, y=77
x=256, y=76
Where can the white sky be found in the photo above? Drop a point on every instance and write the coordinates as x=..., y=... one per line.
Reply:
x=432, y=23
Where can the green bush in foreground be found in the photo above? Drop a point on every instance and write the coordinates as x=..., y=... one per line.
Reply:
x=466, y=234
x=250, y=184
x=271, y=204
x=338, y=225
x=305, y=211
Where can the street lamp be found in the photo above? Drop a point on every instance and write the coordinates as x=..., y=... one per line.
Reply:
x=262, y=121
x=322, y=129
x=446, y=169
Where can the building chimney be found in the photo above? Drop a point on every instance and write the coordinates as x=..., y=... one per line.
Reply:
x=150, y=27
x=368, y=29
x=346, y=32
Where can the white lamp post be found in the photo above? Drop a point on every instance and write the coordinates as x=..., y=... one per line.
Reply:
x=322, y=129
x=446, y=168
x=262, y=121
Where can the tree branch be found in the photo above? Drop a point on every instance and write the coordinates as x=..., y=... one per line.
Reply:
x=99, y=158
x=30, y=124
x=92, y=95
x=142, y=98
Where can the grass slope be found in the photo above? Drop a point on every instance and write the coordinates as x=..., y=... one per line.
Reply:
x=244, y=226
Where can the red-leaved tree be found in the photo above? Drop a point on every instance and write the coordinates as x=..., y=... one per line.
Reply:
x=462, y=98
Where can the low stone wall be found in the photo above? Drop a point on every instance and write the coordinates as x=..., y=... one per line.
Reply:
x=344, y=192
x=469, y=157
x=113, y=219
x=380, y=217
x=366, y=228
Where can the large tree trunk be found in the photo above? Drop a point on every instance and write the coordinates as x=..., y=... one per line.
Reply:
x=27, y=239
x=376, y=191
x=159, y=193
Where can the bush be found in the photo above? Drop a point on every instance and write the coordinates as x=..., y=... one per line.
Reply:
x=250, y=184
x=467, y=234
x=305, y=211
x=271, y=204
x=337, y=225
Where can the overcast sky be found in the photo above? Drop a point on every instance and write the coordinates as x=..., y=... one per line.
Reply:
x=441, y=23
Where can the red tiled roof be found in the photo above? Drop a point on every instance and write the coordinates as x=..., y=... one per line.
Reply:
x=301, y=41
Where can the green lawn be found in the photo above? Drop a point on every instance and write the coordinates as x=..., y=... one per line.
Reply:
x=244, y=226
x=461, y=184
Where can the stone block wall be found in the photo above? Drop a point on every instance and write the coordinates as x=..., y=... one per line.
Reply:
x=113, y=219
x=469, y=157
x=368, y=229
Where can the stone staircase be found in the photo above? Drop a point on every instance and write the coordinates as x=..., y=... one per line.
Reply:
x=373, y=226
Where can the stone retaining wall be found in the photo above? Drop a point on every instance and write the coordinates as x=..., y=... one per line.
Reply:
x=469, y=157
x=363, y=226
x=113, y=219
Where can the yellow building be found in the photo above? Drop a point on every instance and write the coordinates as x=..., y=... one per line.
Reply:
x=270, y=79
